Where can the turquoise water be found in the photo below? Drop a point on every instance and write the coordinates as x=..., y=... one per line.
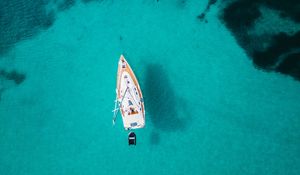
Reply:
x=208, y=109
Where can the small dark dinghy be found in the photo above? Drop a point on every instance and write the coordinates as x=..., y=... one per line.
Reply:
x=131, y=138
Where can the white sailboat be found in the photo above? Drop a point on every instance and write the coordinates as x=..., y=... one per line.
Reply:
x=129, y=98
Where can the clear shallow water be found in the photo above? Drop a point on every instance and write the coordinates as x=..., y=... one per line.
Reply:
x=208, y=109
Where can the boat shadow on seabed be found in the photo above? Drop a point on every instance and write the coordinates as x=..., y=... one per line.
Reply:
x=161, y=101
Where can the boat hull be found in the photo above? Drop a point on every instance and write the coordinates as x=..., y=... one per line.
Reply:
x=130, y=97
